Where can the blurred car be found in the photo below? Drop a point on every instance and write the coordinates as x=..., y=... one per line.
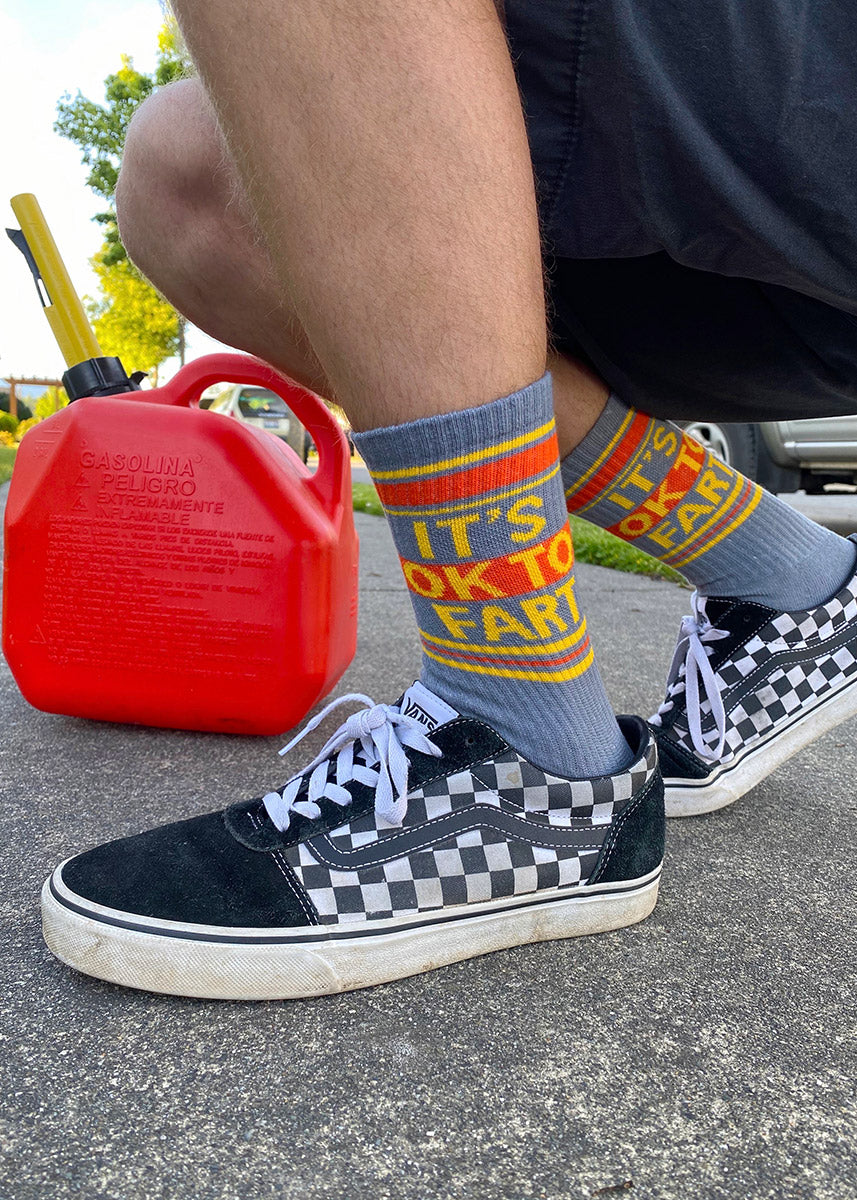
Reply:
x=785, y=456
x=260, y=409
x=342, y=422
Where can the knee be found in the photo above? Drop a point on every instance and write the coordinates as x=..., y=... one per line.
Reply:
x=170, y=170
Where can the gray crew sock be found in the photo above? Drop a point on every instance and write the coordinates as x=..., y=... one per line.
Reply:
x=647, y=481
x=475, y=505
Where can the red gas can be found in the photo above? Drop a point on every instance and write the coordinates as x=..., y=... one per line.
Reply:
x=170, y=566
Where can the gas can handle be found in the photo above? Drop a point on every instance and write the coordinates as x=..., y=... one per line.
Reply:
x=333, y=475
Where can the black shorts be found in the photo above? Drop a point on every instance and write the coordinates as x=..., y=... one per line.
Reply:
x=696, y=167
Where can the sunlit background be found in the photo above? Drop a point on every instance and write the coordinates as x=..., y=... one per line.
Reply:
x=50, y=47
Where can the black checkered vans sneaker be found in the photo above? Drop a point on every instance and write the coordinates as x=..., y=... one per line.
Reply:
x=747, y=689
x=416, y=838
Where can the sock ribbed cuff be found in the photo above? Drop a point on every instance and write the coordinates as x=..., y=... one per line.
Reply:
x=428, y=438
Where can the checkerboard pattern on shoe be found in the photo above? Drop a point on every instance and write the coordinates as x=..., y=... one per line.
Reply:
x=500, y=828
x=778, y=681
x=416, y=838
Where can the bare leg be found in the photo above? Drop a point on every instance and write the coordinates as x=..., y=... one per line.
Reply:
x=381, y=144
x=187, y=223
x=383, y=148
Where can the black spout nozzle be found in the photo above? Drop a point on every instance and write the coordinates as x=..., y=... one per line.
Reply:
x=98, y=377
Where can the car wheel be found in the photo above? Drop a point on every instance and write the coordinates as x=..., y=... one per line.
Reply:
x=733, y=443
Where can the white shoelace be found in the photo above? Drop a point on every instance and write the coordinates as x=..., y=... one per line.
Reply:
x=690, y=668
x=380, y=762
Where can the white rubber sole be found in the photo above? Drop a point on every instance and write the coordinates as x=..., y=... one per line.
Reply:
x=265, y=964
x=726, y=784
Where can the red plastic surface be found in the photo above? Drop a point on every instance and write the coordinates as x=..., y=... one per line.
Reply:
x=169, y=566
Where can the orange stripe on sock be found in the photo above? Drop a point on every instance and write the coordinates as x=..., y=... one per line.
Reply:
x=467, y=506
x=473, y=481
x=667, y=495
x=514, y=574
x=518, y=672
x=576, y=499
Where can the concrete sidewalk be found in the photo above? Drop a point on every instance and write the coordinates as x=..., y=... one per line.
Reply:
x=709, y=1052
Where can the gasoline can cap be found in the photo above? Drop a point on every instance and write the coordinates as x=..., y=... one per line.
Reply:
x=97, y=377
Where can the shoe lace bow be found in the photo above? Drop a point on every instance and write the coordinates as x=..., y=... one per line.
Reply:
x=691, y=672
x=368, y=747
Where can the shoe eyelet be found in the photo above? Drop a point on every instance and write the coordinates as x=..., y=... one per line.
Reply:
x=470, y=740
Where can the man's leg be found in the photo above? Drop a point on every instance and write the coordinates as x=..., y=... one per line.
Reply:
x=729, y=537
x=383, y=150
x=418, y=279
x=777, y=549
x=768, y=660
x=187, y=223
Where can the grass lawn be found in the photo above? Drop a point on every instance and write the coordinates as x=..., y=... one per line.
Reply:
x=7, y=461
x=591, y=545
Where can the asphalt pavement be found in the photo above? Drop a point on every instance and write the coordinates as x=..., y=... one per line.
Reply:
x=708, y=1053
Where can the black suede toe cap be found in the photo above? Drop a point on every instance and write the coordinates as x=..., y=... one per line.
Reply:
x=193, y=871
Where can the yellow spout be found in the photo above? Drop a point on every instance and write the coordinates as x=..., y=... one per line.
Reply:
x=64, y=311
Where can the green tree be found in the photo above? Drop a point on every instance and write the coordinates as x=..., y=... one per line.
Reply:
x=23, y=409
x=50, y=401
x=99, y=130
x=131, y=318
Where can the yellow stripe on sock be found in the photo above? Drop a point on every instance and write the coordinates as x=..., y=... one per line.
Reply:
x=578, y=484
x=467, y=460
x=532, y=651
x=510, y=673
x=739, y=520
